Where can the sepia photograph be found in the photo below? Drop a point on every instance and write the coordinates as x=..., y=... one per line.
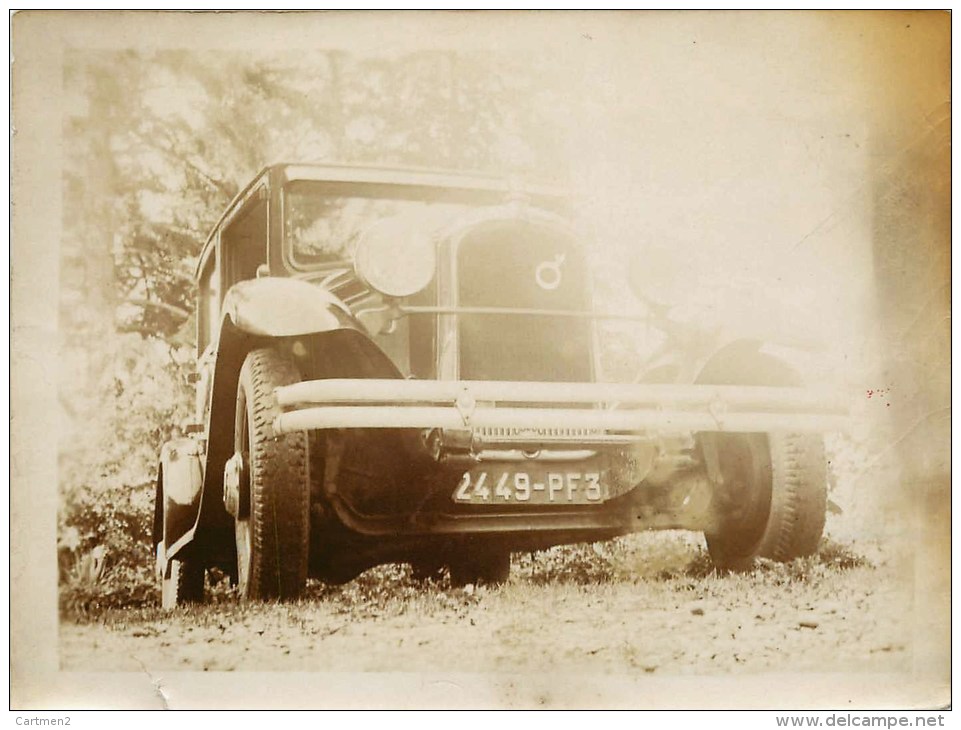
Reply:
x=480, y=359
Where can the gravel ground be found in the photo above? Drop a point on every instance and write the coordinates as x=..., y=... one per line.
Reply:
x=648, y=604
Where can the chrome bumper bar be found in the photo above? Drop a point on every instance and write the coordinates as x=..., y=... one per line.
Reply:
x=618, y=408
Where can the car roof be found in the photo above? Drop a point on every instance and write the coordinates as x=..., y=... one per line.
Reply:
x=282, y=172
x=419, y=176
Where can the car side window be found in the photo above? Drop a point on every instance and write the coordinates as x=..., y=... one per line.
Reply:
x=208, y=304
x=244, y=242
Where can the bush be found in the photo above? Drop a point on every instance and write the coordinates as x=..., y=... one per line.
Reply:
x=107, y=466
x=104, y=550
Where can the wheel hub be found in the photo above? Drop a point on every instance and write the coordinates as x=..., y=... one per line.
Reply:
x=236, y=499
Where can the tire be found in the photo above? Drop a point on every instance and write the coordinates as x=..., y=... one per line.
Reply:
x=273, y=530
x=182, y=584
x=490, y=567
x=773, y=500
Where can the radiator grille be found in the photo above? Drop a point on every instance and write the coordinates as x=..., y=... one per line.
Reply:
x=520, y=265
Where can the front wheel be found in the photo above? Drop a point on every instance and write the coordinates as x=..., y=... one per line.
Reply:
x=272, y=526
x=772, y=498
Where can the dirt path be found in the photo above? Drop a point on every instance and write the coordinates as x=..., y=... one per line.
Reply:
x=658, y=609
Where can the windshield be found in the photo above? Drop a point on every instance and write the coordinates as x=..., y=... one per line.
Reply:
x=323, y=221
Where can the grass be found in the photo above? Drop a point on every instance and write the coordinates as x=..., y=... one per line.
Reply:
x=671, y=563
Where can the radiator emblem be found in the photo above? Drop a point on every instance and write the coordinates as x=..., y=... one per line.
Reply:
x=548, y=273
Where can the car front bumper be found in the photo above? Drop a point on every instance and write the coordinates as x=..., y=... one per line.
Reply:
x=556, y=412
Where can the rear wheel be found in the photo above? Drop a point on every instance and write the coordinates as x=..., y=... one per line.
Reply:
x=489, y=567
x=272, y=528
x=183, y=583
x=772, y=500
x=427, y=571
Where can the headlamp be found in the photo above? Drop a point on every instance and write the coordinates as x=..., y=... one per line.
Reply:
x=395, y=257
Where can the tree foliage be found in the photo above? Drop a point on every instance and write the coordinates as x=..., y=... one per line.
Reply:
x=157, y=145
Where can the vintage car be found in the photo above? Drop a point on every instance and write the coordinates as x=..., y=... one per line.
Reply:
x=403, y=366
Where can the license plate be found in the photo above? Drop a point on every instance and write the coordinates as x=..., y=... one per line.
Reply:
x=527, y=487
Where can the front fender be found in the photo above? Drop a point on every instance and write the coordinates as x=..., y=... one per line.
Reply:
x=743, y=362
x=738, y=362
x=262, y=313
x=276, y=307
